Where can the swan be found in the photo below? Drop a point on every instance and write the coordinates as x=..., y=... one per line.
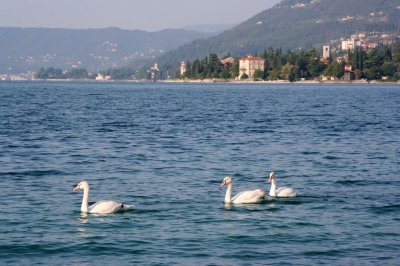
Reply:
x=283, y=192
x=104, y=206
x=248, y=196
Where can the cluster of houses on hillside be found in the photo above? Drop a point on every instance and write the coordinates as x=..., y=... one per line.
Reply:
x=366, y=43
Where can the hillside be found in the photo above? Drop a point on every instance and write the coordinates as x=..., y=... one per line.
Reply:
x=218, y=28
x=296, y=25
x=28, y=49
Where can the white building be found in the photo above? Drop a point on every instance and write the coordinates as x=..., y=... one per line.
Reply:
x=350, y=44
x=101, y=77
x=250, y=64
x=183, y=68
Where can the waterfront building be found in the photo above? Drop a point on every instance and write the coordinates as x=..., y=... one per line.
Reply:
x=183, y=68
x=250, y=64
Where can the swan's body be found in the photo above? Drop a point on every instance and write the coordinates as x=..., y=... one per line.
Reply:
x=104, y=206
x=283, y=192
x=248, y=196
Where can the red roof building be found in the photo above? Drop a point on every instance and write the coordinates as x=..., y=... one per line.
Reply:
x=250, y=64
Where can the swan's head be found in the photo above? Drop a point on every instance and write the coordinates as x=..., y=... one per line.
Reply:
x=227, y=180
x=271, y=176
x=81, y=185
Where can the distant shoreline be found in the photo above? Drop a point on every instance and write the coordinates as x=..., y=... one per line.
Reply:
x=210, y=81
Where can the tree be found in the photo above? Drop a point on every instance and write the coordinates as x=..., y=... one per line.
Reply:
x=357, y=73
x=328, y=72
x=244, y=76
x=148, y=76
x=374, y=58
x=258, y=74
x=312, y=68
x=274, y=74
x=235, y=68
x=337, y=71
x=40, y=74
x=214, y=63
x=396, y=53
x=188, y=71
x=225, y=74
x=387, y=69
x=287, y=72
x=369, y=73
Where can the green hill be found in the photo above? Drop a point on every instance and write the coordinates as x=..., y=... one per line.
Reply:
x=310, y=23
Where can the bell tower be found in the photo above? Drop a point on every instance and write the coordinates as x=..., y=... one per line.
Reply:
x=326, y=50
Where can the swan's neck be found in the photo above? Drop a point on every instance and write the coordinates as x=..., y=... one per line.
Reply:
x=85, y=200
x=272, y=191
x=228, y=193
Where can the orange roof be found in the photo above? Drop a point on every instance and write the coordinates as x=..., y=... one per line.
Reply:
x=252, y=58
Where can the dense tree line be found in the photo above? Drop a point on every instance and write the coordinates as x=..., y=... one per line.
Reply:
x=210, y=67
x=278, y=65
x=379, y=62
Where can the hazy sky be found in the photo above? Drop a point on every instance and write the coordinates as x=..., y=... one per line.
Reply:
x=149, y=15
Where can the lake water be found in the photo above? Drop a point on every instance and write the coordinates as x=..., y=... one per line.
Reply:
x=167, y=147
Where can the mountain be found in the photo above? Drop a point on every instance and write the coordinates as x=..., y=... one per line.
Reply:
x=296, y=25
x=28, y=49
x=214, y=28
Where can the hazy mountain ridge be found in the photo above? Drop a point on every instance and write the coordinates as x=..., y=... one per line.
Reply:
x=27, y=49
x=217, y=28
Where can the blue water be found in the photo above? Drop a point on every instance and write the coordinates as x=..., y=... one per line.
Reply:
x=167, y=147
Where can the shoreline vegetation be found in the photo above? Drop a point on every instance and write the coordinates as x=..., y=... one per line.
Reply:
x=381, y=64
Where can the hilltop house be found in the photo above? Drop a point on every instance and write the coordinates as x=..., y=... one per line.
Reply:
x=250, y=64
x=351, y=44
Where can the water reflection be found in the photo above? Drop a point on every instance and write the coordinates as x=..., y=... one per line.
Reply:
x=228, y=206
x=272, y=207
x=84, y=218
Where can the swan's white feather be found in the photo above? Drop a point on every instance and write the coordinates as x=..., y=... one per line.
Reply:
x=282, y=192
x=286, y=192
x=103, y=206
x=248, y=196
x=106, y=206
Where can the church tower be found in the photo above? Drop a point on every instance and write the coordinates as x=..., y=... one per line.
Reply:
x=325, y=53
x=183, y=68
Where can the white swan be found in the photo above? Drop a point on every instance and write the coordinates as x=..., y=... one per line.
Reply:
x=249, y=196
x=104, y=206
x=283, y=192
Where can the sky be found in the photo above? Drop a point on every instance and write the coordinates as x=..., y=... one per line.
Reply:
x=149, y=15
